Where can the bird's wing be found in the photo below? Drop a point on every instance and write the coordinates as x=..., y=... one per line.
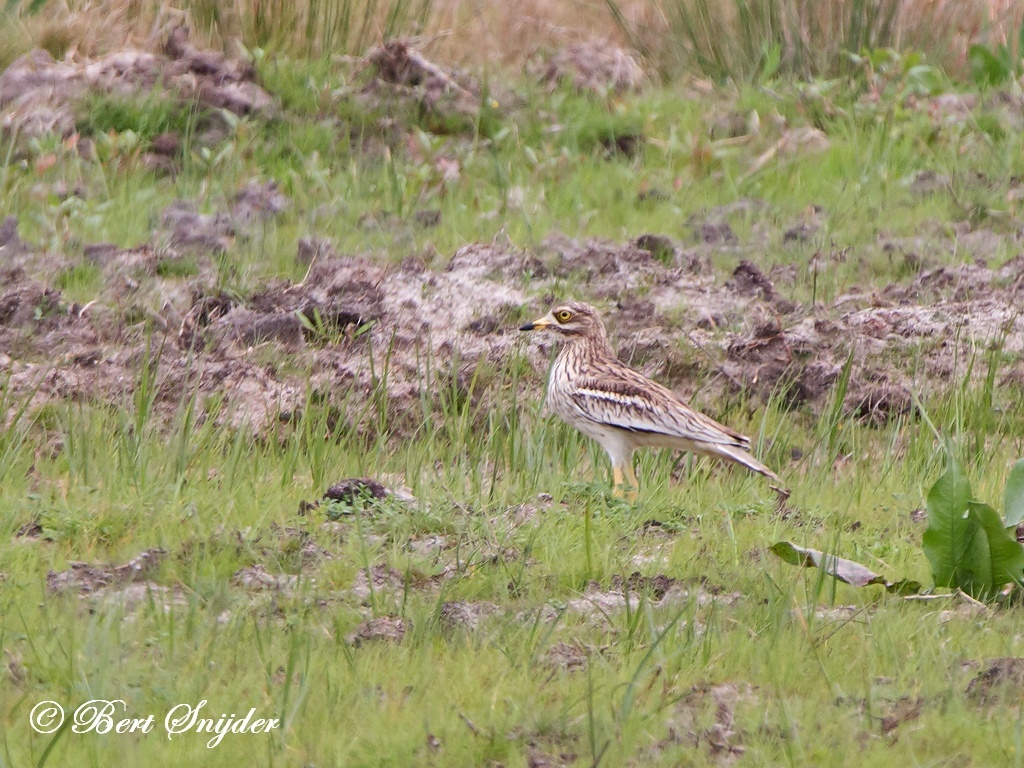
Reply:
x=628, y=400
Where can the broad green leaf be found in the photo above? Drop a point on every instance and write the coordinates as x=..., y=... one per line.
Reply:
x=966, y=541
x=1005, y=556
x=925, y=79
x=986, y=68
x=847, y=571
x=951, y=532
x=1013, y=494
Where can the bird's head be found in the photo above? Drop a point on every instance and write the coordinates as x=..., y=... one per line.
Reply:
x=570, y=319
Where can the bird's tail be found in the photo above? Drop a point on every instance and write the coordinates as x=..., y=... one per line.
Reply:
x=740, y=456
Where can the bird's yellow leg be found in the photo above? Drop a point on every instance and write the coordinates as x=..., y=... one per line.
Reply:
x=631, y=479
x=616, y=480
x=622, y=480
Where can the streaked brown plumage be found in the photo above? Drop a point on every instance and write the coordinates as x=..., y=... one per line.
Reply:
x=621, y=408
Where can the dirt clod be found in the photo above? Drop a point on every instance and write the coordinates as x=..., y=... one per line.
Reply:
x=880, y=403
x=711, y=232
x=401, y=67
x=354, y=489
x=380, y=579
x=999, y=675
x=188, y=228
x=465, y=615
x=86, y=577
x=750, y=280
x=257, y=578
x=659, y=246
x=566, y=657
x=258, y=201
x=39, y=95
x=390, y=629
x=901, y=711
x=658, y=585
x=596, y=66
x=10, y=243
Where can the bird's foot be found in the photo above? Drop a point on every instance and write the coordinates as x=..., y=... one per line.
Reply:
x=624, y=492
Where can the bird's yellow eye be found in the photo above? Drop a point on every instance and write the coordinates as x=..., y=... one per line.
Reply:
x=564, y=316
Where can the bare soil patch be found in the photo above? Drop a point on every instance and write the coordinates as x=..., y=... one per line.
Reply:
x=85, y=578
x=351, y=314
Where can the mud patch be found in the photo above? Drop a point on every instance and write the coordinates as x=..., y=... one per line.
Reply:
x=257, y=578
x=657, y=586
x=705, y=718
x=1000, y=677
x=566, y=657
x=449, y=332
x=464, y=615
x=660, y=591
x=85, y=578
x=137, y=595
x=186, y=228
x=380, y=581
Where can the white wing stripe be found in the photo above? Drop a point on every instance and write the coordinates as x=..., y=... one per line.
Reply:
x=638, y=413
x=614, y=397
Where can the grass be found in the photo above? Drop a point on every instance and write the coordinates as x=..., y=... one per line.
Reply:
x=754, y=661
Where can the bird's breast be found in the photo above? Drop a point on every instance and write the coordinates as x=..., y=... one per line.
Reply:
x=559, y=386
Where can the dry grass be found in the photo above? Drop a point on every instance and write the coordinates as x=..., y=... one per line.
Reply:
x=510, y=33
x=730, y=38
x=960, y=23
x=458, y=31
x=716, y=37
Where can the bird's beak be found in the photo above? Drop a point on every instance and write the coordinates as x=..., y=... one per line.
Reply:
x=538, y=324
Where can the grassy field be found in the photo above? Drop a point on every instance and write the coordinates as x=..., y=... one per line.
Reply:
x=499, y=606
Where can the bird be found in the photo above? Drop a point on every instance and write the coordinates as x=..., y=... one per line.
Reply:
x=620, y=408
